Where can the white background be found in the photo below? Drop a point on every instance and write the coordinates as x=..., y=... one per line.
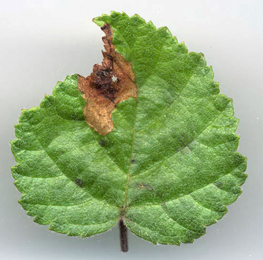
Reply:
x=43, y=41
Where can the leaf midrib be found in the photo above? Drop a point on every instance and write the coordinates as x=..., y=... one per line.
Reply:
x=129, y=170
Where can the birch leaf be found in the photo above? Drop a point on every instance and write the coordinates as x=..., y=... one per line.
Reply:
x=146, y=140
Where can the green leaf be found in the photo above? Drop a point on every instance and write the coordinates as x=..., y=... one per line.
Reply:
x=167, y=169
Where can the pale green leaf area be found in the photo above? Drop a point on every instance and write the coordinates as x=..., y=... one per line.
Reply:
x=168, y=168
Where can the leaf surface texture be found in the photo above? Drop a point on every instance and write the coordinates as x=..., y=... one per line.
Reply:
x=168, y=168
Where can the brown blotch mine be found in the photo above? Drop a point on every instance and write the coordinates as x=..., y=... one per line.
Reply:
x=108, y=85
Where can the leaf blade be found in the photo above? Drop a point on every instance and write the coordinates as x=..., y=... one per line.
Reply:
x=168, y=168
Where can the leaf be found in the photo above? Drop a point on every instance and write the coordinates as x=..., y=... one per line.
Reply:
x=165, y=166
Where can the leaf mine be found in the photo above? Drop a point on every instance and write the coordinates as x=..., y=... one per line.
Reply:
x=108, y=85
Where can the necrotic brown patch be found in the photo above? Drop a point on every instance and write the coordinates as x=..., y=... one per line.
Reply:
x=108, y=84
